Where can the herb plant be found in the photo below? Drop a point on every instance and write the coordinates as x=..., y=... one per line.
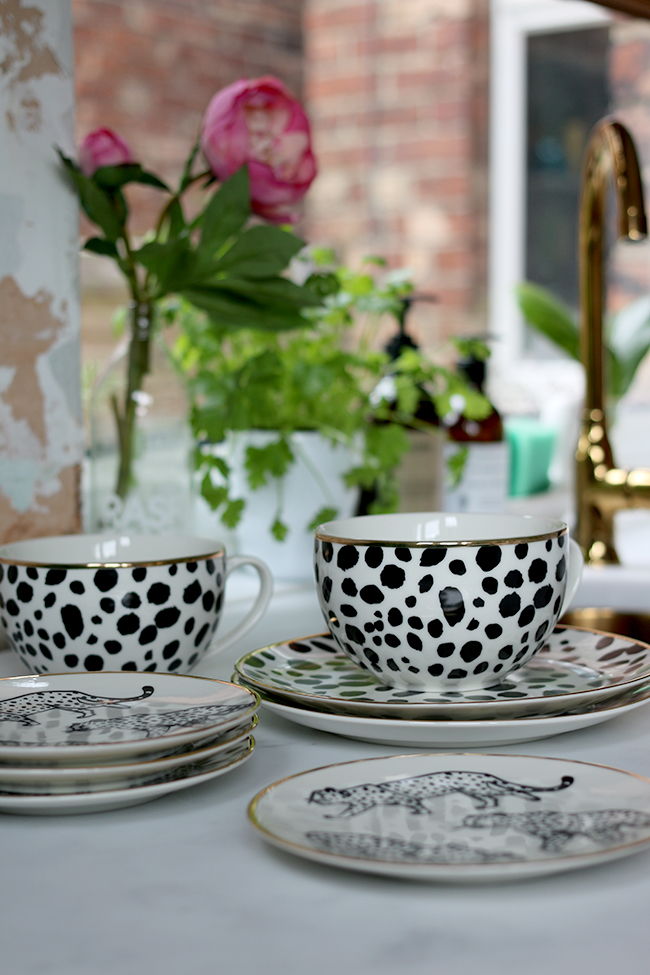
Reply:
x=322, y=377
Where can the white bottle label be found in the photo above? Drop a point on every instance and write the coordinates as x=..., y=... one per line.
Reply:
x=483, y=485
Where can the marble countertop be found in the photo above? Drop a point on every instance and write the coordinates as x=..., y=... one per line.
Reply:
x=184, y=885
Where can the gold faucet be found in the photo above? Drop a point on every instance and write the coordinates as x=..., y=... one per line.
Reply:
x=602, y=488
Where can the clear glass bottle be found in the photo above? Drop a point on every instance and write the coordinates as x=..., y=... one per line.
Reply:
x=156, y=493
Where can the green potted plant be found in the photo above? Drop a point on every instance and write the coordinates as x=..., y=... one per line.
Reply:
x=290, y=426
x=222, y=242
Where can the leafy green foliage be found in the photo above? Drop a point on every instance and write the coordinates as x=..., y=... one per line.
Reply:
x=318, y=378
x=550, y=317
x=232, y=271
x=627, y=338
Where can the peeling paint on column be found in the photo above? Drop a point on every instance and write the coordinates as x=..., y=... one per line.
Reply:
x=41, y=435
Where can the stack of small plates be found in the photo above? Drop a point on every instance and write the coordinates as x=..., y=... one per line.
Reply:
x=89, y=742
x=581, y=677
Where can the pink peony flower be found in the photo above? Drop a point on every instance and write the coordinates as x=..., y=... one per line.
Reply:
x=103, y=147
x=259, y=122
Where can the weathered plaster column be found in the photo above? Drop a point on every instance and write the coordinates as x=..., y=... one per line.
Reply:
x=41, y=433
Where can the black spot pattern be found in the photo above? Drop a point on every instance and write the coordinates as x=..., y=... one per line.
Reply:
x=425, y=583
x=349, y=587
x=129, y=623
x=372, y=595
x=160, y=592
x=191, y=593
x=514, y=579
x=152, y=614
x=72, y=620
x=24, y=592
x=347, y=557
x=167, y=617
x=435, y=628
x=537, y=571
x=53, y=577
x=392, y=576
x=510, y=605
x=433, y=556
x=488, y=557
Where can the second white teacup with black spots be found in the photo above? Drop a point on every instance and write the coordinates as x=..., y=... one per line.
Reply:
x=119, y=602
x=444, y=600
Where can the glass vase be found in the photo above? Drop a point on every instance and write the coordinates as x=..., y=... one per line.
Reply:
x=140, y=442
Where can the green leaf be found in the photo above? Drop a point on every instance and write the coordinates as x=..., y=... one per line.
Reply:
x=226, y=213
x=97, y=204
x=629, y=340
x=325, y=514
x=279, y=530
x=215, y=495
x=174, y=263
x=113, y=177
x=186, y=177
x=260, y=252
x=231, y=311
x=549, y=317
x=99, y=245
x=274, y=291
x=273, y=460
x=176, y=219
x=456, y=465
x=323, y=284
x=232, y=513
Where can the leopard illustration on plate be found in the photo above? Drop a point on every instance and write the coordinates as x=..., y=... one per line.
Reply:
x=457, y=816
x=71, y=717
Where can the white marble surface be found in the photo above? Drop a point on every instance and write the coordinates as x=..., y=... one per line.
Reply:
x=184, y=886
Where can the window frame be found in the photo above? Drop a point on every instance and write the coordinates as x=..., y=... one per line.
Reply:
x=512, y=22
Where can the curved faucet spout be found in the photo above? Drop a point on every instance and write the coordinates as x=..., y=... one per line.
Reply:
x=602, y=488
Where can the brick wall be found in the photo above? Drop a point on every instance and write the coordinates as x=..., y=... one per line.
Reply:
x=398, y=97
x=148, y=68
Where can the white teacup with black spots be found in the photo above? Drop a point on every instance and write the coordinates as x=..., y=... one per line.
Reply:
x=444, y=600
x=119, y=602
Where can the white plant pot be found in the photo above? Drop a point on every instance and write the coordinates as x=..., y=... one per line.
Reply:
x=314, y=481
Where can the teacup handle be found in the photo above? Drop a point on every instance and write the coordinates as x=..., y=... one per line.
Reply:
x=258, y=608
x=574, y=574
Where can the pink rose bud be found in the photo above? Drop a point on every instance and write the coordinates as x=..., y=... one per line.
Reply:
x=259, y=122
x=103, y=147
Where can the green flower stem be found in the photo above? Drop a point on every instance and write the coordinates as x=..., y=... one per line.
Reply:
x=175, y=198
x=138, y=366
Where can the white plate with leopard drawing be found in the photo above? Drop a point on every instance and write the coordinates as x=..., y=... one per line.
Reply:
x=104, y=801
x=98, y=718
x=55, y=779
x=576, y=667
x=457, y=817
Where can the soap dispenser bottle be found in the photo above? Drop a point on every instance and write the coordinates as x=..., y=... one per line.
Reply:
x=419, y=477
x=479, y=449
